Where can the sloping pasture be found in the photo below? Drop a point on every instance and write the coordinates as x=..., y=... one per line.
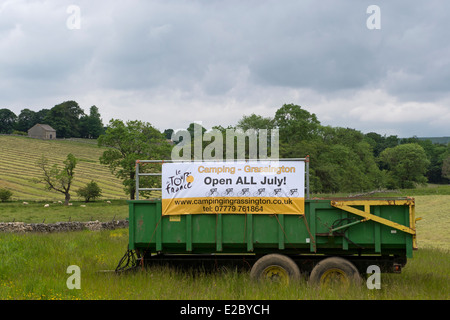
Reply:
x=18, y=157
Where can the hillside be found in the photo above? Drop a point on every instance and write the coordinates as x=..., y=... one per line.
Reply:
x=441, y=140
x=18, y=156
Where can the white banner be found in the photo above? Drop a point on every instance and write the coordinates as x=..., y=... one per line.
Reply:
x=265, y=187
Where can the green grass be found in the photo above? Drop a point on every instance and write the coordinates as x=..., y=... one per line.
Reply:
x=433, y=229
x=35, y=212
x=18, y=156
x=34, y=266
x=429, y=189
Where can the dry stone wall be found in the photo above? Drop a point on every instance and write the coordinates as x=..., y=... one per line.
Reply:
x=61, y=226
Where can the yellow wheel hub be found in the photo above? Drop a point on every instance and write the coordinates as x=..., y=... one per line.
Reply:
x=276, y=274
x=334, y=276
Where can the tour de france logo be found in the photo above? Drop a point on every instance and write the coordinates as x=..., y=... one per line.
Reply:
x=179, y=181
x=190, y=179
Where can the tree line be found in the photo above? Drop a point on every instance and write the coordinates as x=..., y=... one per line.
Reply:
x=342, y=159
x=67, y=118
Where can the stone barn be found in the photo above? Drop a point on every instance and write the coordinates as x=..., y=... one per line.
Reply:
x=42, y=131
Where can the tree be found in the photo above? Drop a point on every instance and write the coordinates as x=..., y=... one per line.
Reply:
x=41, y=115
x=128, y=142
x=344, y=161
x=256, y=122
x=26, y=119
x=168, y=134
x=296, y=123
x=90, y=192
x=56, y=179
x=91, y=125
x=65, y=119
x=406, y=165
x=379, y=142
x=341, y=160
x=5, y=195
x=435, y=153
x=446, y=168
x=7, y=121
x=196, y=129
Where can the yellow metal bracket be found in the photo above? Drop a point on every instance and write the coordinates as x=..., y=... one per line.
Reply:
x=347, y=206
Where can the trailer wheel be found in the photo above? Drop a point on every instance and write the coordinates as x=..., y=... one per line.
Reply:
x=276, y=268
x=335, y=271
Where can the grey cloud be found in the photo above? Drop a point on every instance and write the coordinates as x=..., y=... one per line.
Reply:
x=259, y=54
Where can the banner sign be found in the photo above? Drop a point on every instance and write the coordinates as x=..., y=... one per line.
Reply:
x=255, y=187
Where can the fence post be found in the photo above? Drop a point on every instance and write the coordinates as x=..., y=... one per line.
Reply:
x=137, y=180
x=307, y=176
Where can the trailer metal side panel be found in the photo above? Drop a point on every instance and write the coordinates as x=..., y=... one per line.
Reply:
x=326, y=228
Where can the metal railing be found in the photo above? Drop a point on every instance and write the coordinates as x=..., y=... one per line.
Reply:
x=140, y=174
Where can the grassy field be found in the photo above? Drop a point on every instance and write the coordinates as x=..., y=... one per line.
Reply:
x=18, y=156
x=34, y=266
x=35, y=212
x=432, y=230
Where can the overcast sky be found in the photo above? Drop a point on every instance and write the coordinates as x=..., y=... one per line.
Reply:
x=171, y=63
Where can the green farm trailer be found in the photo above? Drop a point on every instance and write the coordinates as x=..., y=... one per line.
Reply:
x=334, y=238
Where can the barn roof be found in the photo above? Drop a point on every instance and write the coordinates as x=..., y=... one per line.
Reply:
x=45, y=127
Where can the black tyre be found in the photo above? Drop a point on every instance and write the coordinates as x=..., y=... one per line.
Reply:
x=276, y=268
x=335, y=271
